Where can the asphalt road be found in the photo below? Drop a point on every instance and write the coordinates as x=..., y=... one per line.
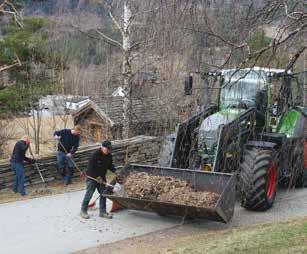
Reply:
x=52, y=224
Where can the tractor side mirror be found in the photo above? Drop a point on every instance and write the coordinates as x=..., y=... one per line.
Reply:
x=188, y=85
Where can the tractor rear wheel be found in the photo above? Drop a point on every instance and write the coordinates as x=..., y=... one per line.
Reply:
x=258, y=178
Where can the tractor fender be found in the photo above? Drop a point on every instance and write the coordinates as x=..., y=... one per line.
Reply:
x=261, y=144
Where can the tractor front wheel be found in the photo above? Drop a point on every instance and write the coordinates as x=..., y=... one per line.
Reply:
x=258, y=178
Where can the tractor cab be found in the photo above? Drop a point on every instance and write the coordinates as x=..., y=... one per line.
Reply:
x=240, y=91
x=241, y=88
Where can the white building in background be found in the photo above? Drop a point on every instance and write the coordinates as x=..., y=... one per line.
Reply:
x=77, y=102
x=119, y=92
x=61, y=104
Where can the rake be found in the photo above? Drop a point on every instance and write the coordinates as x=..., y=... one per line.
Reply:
x=91, y=205
x=117, y=188
x=37, y=168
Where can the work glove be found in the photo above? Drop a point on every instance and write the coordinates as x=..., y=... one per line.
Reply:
x=119, y=178
x=82, y=174
x=108, y=189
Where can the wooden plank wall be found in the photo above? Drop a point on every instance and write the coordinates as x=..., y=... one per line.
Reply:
x=140, y=149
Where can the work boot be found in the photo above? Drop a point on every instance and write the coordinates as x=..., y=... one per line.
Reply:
x=84, y=214
x=105, y=215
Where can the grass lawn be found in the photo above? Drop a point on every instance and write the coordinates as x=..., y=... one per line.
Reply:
x=288, y=237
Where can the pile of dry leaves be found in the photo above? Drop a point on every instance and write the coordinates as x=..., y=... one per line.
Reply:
x=167, y=189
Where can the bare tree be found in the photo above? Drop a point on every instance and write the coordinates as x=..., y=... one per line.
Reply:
x=126, y=49
x=35, y=123
x=10, y=66
x=287, y=21
x=130, y=15
x=5, y=136
x=8, y=8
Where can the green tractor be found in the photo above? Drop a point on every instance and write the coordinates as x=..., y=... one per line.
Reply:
x=255, y=130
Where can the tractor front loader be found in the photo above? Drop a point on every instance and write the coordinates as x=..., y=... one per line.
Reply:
x=256, y=131
x=248, y=142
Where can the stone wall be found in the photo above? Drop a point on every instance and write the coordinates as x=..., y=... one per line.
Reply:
x=140, y=149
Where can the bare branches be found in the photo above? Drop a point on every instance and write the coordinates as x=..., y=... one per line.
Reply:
x=116, y=23
x=110, y=40
x=286, y=22
x=6, y=7
x=8, y=67
x=295, y=57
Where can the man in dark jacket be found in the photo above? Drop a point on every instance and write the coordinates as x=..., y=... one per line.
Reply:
x=17, y=160
x=67, y=146
x=100, y=161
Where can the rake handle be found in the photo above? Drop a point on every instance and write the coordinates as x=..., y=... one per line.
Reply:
x=76, y=166
x=65, y=150
x=37, y=168
x=94, y=203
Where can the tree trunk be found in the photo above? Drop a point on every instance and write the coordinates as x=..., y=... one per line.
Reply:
x=36, y=127
x=304, y=77
x=127, y=104
x=207, y=92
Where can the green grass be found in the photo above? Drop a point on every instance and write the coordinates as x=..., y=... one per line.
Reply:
x=282, y=238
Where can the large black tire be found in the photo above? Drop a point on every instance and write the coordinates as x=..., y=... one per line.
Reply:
x=296, y=165
x=305, y=178
x=302, y=181
x=258, y=179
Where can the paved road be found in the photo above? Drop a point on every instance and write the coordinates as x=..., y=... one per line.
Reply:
x=52, y=224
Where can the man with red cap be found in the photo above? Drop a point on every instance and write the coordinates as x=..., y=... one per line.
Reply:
x=17, y=160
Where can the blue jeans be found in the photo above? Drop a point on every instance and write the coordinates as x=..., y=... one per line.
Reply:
x=91, y=186
x=65, y=165
x=19, y=181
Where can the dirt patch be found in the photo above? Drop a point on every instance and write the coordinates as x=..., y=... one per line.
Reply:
x=167, y=189
x=52, y=188
x=39, y=190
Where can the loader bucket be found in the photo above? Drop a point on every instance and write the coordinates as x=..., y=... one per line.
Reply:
x=220, y=183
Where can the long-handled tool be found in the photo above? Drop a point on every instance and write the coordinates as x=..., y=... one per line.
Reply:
x=73, y=162
x=80, y=171
x=100, y=181
x=76, y=166
x=117, y=188
x=36, y=166
x=91, y=205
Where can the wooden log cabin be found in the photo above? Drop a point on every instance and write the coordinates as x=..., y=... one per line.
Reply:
x=103, y=119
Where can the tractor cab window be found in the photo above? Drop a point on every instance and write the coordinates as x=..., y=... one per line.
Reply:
x=240, y=88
